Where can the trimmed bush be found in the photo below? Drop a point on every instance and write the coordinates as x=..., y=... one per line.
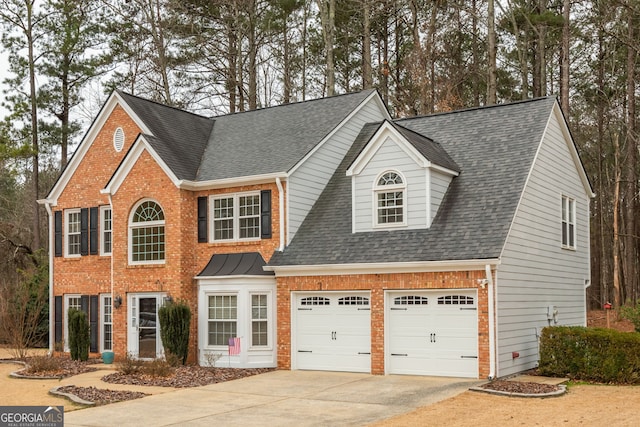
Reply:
x=79, y=338
x=590, y=354
x=175, y=318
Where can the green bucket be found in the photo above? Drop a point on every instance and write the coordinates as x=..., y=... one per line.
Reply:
x=107, y=357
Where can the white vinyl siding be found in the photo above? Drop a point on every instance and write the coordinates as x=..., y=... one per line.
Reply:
x=391, y=157
x=307, y=182
x=439, y=183
x=535, y=272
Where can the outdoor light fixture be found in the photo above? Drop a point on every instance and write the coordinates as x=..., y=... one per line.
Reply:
x=117, y=301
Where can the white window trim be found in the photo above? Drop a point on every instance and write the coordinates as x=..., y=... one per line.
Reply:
x=377, y=189
x=236, y=216
x=269, y=320
x=146, y=224
x=101, y=311
x=66, y=318
x=571, y=220
x=67, y=213
x=103, y=209
x=222, y=348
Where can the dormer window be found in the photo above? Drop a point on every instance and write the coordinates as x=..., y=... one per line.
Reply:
x=390, y=191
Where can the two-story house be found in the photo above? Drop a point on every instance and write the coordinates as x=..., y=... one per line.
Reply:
x=325, y=235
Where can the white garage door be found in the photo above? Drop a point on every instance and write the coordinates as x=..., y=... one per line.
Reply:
x=432, y=333
x=332, y=332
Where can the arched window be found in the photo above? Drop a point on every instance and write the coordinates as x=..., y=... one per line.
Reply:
x=389, y=194
x=146, y=233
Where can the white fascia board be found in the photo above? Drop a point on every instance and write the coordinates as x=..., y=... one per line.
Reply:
x=571, y=145
x=231, y=182
x=86, y=142
x=374, y=95
x=444, y=170
x=139, y=146
x=381, y=268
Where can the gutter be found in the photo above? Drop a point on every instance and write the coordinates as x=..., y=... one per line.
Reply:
x=492, y=334
x=281, y=210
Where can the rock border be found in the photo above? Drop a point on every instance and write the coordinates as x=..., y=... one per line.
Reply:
x=55, y=391
x=562, y=389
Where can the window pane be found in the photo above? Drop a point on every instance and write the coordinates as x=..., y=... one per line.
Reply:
x=148, y=211
x=147, y=244
x=259, y=333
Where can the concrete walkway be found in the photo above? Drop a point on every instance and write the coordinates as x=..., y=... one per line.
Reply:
x=279, y=398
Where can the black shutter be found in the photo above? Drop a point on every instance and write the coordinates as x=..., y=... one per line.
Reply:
x=93, y=231
x=202, y=220
x=265, y=214
x=84, y=231
x=93, y=323
x=58, y=319
x=57, y=219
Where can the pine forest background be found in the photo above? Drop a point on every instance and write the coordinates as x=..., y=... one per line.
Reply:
x=61, y=59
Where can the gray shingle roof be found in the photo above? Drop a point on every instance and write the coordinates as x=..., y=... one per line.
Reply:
x=272, y=139
x=428, y=148
x=494, y=148
x=179, y=137
x=264, y=141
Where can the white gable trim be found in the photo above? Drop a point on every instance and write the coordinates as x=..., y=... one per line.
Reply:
x=384, y=132
x=381, y=268
x=571, y=145
x=139, y=146
x=374, y=96
x=114, y=100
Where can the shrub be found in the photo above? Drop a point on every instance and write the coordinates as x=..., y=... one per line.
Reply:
x=175, y=318
x=44, y=364
x=79, y=339
x=590, y=354
x=632, y=314
x=130, y=365
x=158, y=368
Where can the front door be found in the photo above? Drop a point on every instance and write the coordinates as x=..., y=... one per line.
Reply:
x=144, y=327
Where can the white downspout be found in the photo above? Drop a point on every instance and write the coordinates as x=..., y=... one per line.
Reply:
x=51, y=299
x=492, y=334
x=111, y=274
x=281, y=210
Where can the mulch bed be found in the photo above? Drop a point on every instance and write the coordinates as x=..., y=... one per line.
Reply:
x=523, y=387
x=185, y=376
x=101, y=396
x=62, y=368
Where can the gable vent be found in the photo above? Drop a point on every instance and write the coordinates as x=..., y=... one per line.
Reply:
x=118, y=139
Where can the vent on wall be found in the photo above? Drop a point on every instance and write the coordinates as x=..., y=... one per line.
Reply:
x=118, y=139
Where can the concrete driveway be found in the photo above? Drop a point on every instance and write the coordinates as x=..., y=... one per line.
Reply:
x=279, y=398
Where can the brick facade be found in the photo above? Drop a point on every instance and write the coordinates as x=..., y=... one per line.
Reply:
x=184, y=256
x=377, y=284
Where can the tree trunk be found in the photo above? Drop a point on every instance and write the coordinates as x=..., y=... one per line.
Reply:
x=327, y=19
x=253, y=54
x=33, y=99
x=564, y=61
x=616, y=234
x=630, y=240
x=367, y=76
x=491, y=55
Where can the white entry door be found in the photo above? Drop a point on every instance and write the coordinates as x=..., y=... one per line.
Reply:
x=332, y=332
x=432, y=333
x=144, y=327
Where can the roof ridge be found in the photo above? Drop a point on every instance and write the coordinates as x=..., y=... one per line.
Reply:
x=481, y=107
x=306, y=101
x=160, y=104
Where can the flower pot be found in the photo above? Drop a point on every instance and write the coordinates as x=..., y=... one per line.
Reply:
x=107, y=357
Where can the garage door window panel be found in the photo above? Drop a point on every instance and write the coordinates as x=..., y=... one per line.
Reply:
x=353, y=300
x=411, y=300
x=223, y=319
x=455, y=300
x=315, y=301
